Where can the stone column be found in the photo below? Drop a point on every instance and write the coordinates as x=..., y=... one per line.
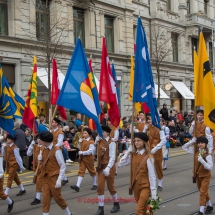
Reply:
x=182, y=10
x=17, y=18
x=200, y=5
x=102, y=29
x=193, y=6
x=32, y=19
x=70, y=24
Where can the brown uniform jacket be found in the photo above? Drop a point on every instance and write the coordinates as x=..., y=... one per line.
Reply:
x=10, y=158
x=55, y=135
x=140, y=126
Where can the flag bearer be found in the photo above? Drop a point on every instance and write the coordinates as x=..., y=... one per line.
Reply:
x=52, y=170
x=106, y=169
x=36, y=149
x=157, y=140
x=2, y=194
x=86, y=159
x=201, y=130
x=58, y=139
x=141, y=123
x=13, y=161
x=144, y=181
x=202, y=172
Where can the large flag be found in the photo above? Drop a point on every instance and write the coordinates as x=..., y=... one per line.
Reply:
x=144, y=88
x=56, y=90
x=11, y=105
x=107, y=88
x=31, y=104
x=208, y=84
x=116, y=85
x=78, y=90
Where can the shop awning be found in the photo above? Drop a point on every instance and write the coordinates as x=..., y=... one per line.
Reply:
x=183, y=89
x=163, y=95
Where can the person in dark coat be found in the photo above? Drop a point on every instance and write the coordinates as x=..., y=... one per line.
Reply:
x=164, y=112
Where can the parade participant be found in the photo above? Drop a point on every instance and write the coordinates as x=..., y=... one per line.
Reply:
x=202, y=171
x=141, y=123
x=13, y=161
x=106, y=169
x=35, y=149
x=58, y=139
x=52, y=170
x=201, y=130
x=2, y=194
x=86, y=159
x=157, y=140
x=143, y=163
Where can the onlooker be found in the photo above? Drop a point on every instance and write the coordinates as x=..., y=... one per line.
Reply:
x=72, y=122
x=164, y=112
x=124, y=120
x=42, y=126
x=127, y=130
x=78, y=120
x=28, y=136
x=104, y=120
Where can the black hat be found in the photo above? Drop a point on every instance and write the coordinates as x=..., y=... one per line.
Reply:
x=164, y=104
x=142, y=136
x=57, y=120
x=9, y=136
x=72, y=127
x=88, y=131
x=46, y=136
x=200, y=111
x=106, y=128
x=202, y=139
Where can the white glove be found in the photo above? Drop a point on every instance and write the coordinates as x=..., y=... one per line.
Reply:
x=80, y=140
x=58, y=183
x=80, y=153
x=98, y=138
x=200, y=159
x=106, y=171
x=154, y=195
x=22, y=168
x=40, y=156
x=153, y=151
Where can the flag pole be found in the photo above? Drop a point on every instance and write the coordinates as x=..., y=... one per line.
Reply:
x=55, y=110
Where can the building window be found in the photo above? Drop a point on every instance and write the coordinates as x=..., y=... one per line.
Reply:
x=194, y=42
x=168, y=5
x=78, y=25
x=42, y=19
x=134, y=33
x=211, y=54
x=175, y=47
x=188, y=6
x=206, y=6
x=3, y=18
x=109, y=33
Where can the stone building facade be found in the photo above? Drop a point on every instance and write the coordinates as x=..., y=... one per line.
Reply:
x=23, y=24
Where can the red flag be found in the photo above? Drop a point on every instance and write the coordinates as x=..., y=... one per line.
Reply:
x=107, y=87
x=56, y=90
x=145, y=108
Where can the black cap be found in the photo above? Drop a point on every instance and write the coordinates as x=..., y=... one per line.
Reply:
x=142, y=136
x=72, y=127
x=200, y=111
x=106, y=128
x=9, y=136
x=164, y=104
x=202, y=139
x=57, y=120
x=88, y=131
x=46, y=136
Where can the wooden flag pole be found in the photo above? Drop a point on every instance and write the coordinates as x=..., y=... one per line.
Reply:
x=55, y=110
x=132, y=142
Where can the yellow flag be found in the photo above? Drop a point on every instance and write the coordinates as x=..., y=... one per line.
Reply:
x=138, y=106
x=208, y=85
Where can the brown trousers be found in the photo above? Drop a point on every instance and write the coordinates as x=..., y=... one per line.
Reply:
x=86, y=164
x=109, y=179
x=2, y=194
x=141, y=196
x=203, y=185
x=12, y=176
x=158, y=167
x=50, y=191
x=39, y=183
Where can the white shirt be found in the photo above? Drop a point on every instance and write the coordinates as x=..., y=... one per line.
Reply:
x=112, y=153
x=31, y=149
x=151, y=172
x=2, y=148
x=116, y=135
x=90, y=150
x=166, y=132
x=59, y=138
x=17, y=156
x=60, y=160
x=1, y=167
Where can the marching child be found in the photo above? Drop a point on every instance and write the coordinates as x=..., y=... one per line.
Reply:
x=202, y=171
x=2, y=194
x=13, y=161
x=86, y=159
x=144, y=179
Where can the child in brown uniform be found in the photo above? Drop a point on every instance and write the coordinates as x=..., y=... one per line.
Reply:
x=52, y=169
x=13, y=161
x=106, y=169
x=86, y=159
x=203, y=167
x=141, y=123
x=144, y=181
x=35, y=149
x=2, y=194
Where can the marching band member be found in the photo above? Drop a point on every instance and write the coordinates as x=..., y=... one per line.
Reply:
x=157, y=140
x=86, y=159
x=144, y=179
x=106, y=169
x=13, y=161
x=202, y=171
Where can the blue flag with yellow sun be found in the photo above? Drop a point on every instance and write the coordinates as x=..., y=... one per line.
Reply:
x=11, y=105
x=79, y=92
